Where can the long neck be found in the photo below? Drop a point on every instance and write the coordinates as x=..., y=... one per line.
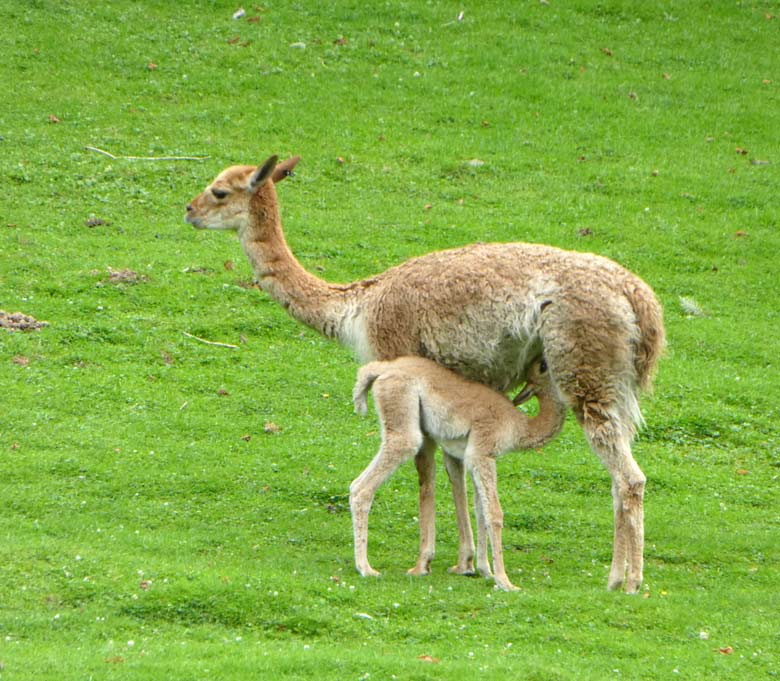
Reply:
x=307, y=298
x=540, y=429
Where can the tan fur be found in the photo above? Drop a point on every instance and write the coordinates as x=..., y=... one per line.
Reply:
x=419, y=401
x=483, y=310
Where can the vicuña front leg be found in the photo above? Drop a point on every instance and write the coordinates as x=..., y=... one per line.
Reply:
x=483, y=471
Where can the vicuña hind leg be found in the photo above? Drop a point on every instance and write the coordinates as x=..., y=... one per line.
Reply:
x=628, y=488
x=426, y=472
x=457, y=475
x=483, y=561
x=402, y=439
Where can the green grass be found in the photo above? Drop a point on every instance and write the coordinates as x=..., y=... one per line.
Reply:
x=152, y=528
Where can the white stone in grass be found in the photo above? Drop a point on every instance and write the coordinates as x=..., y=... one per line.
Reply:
x=691, y=307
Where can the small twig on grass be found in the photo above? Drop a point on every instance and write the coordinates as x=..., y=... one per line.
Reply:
x=146, y=158
x=208, y=342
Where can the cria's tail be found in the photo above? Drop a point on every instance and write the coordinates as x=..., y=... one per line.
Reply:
x=652, y=338
x=366, y=376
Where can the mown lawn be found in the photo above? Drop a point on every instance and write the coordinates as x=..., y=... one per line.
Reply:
x=177, y=509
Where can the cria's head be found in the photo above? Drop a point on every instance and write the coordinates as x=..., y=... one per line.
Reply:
x=538, y=381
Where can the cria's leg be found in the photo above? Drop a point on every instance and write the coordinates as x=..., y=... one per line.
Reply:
x=483, y=563
x=426, y=472
x=483, y=471
x=399, y=411
x=457, y=474
x=361, y=496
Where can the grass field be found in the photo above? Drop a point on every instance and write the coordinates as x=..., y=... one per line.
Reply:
x=172, y=509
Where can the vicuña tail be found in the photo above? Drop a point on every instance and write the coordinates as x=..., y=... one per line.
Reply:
x=366, y=376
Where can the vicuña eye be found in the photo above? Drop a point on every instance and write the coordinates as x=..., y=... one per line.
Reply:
x=219, y=193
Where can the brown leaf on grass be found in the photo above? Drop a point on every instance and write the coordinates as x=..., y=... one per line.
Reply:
x=229, y=265
x=145, y=584
x=14, y=446
x=585, y=231
x=234, y=40
x=607, y=51
x=151, y=66
x=253, y=20
x=428, y=658
x=726, y=650
x=740, y=233
x=222, y=392
x=246, y=438
x=242, y=283
x=271, y=427
x=21, y=361
x=743, y=471
x=341, y=40
x=741, y=151
x=167, y=357
x=96, y=222
x=54, y=119
x=116, y=659
x=340, y=159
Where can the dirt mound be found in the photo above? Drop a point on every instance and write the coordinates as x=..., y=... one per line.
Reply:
x=17, y=321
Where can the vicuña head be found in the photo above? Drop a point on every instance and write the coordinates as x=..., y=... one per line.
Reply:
x=226, y=202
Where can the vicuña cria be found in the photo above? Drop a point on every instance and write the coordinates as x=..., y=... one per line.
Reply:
x=419, y=400
x=485, y=311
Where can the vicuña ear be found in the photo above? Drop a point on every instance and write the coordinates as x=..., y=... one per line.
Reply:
x=285, y=168
x=263, y=172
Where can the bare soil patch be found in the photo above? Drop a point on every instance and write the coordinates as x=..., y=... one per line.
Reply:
x=18, y=321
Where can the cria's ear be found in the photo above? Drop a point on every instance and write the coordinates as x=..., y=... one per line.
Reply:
x=285, y=168
x=263, y=172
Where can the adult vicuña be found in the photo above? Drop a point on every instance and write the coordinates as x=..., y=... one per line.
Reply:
x=417, y=400
x=485, y=311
